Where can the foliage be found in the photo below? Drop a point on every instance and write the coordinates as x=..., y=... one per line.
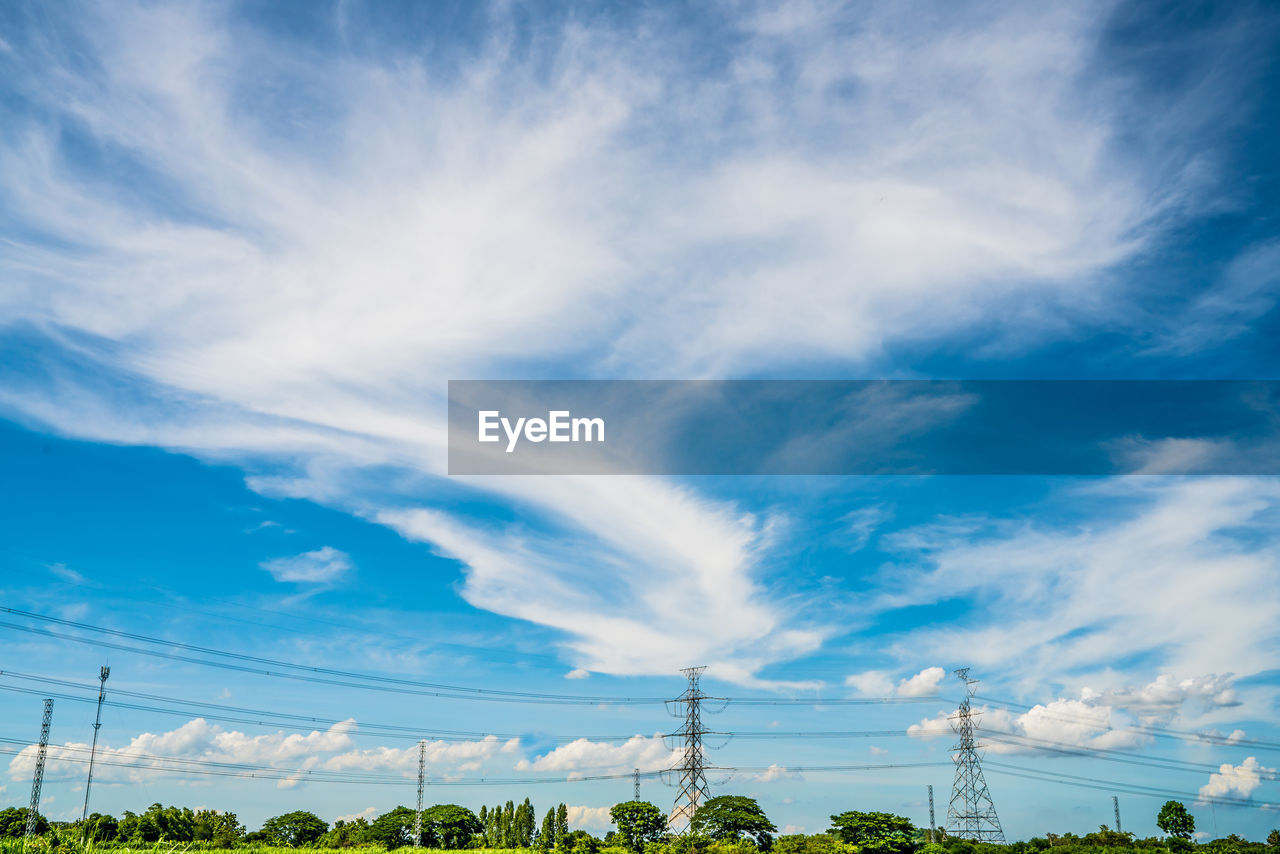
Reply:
x=639, y=823
x=13, y=823
x=875, y=832
x=158, y=824
x=1175, y=820
x=451, y=826
x=99, y=828
x=821, y=843
x=393, y=829
x=222, y=829
x=345, y=834
x=1273, y=840
x=562, y=824
x=729, y=817
x=295, y=828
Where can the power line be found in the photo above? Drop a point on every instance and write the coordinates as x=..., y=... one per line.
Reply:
x=379, y=682
x=289, y=720
x=342, y=678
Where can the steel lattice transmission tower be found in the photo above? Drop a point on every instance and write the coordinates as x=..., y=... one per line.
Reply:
x=635, y=794
x=692, y=767
x=97, y=725
x=932, y=821
x=972, y=813
x=422, y=780
x=37, y=778
x=1115, y=802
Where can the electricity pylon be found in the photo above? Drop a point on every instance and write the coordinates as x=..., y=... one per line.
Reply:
x=972, y=813
x=97, y=725
x=693, y=776
x=37, y=778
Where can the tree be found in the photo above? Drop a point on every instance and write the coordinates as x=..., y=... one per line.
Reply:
x=393, y=829
x=1273, y=840
x=295, y=828
x=158, y=824
x=729, y=817
x=547, y=834
x=345, y=834
x=875, y=831
x=638, y=822
x=13, y=823
x=579, y=842
x=562, y=824
x=222, y=829
x=1175, y=820
x=450, y=826
x=99, y=828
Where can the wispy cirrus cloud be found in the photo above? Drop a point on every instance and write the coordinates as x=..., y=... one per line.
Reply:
x=321, y=566
x=288, y=273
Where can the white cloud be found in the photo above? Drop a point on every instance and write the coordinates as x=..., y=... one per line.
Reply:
x=923, y=684
x=870, y=683
x=367, y=813
x=441, y=756
x=196, y=739
x=322, y=566
x=581, y=755
x=585, y=817
x=300, y=295
x=578, y=673
x=1236, y=780
x=1054, y=726
x=66, y=573
x=1179, y=573
x=775, y=773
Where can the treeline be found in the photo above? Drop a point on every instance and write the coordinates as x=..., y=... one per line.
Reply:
x=728, y=824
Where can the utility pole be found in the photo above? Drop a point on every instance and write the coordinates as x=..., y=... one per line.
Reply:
x=422, y=779
x=635, y=794
x=1115, y=802
x=932, y=822
x=37, y=778
x=97, y=725
x=693, y=776
x=972, y=813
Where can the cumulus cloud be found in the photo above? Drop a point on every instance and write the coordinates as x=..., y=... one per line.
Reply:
x=173, y=752
x=1052, y=727
x=1236, y=780
x=775, y=773
x=322, y=566
x=923, y=684
x=581, y=755
x=441, y=756
x=879, y=683
x=197, y=739
x=584, y=817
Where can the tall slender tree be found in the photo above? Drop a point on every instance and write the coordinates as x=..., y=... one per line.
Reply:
x=562, y=824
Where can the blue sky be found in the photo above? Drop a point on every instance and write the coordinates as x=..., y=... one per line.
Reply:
x=243, y=248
